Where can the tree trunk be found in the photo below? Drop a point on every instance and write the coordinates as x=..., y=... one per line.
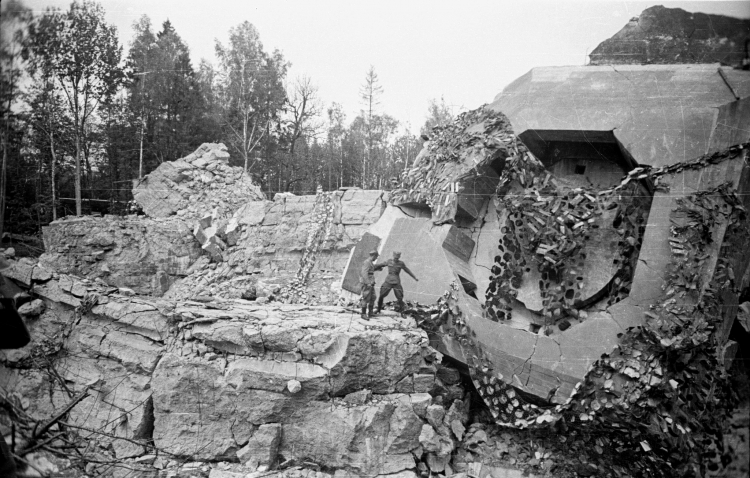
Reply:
x=52, y=173
x=78, y=174
x=2, y=185
x=140, y=159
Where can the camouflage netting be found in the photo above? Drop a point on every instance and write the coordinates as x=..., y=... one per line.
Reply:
x=318, y=235
x=452, y=156
x=656, y=405
x=549, y=226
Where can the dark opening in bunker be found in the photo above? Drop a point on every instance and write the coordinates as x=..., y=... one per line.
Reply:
x=580, y=158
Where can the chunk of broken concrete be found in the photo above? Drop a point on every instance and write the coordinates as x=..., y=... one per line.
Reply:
x=40, y=274
x=458, y=429
x=434, y=415
x=420, y=402
x=358, y=398
x=263, y=445
x=293, y=386
x=429, y=439
x=32, y=309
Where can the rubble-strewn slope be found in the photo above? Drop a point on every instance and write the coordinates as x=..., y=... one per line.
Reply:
x=672, y=35
x=231, y=380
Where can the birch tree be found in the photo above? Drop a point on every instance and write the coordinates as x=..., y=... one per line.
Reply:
x=13, y=19
x=82, y=54
x=250, y=89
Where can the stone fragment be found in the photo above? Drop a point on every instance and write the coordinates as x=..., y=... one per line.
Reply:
x=20, y=270
x=293, y=386
x=420, y=402
x=429, y=439
x=214, y=250
x=263, y=445
x=78, y=289
x=126, y=291
x=405, y=385
x=449, y=376
x=423, y=383
x=458, y=429
x=40, y=274
x=404, y=428
x=32, y=309
x=358, y=398
x=397, y=464
x=437, y=463
x=434, y=415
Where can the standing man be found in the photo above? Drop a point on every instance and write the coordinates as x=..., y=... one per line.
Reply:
x=393, y=281
x=367, y=283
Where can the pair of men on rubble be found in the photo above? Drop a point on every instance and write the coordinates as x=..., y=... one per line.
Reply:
x=392, y=282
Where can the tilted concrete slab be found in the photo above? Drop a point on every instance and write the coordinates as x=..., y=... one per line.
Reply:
x=421, y=249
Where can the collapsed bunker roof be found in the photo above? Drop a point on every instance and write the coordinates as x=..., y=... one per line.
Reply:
x=576, y=172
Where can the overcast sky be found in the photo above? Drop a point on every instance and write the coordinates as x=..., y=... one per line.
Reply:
x=466, y=51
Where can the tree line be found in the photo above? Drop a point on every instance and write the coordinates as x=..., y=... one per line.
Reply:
x=82, y=119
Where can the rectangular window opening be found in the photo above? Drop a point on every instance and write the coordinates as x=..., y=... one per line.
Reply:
x=580, y=169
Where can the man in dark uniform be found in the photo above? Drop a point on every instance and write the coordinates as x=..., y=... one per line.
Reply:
x=393, y=281
x=367, y=284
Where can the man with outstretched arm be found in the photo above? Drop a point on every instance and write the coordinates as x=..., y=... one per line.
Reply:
x=393, y=281
x=367, y=284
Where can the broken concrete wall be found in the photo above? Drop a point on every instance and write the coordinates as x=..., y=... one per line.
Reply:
x=267, y=244
x=143, y=254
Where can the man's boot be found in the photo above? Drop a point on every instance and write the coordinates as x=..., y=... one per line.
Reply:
x=400, y=307
x=380, y=305
x=370, y=311
x=364, y=312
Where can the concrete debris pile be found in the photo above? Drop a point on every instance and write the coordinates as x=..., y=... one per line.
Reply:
x=146, y=255
x=230, y=380
x=293, y=248
x=199, y=183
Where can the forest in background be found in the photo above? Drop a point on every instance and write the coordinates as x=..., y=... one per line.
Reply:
x=83, y=117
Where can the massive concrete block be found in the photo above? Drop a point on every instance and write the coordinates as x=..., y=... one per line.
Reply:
x=621, y=100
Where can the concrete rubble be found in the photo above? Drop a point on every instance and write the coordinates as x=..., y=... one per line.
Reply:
x=209, y=381
x=197, y=184
x=264, y=245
